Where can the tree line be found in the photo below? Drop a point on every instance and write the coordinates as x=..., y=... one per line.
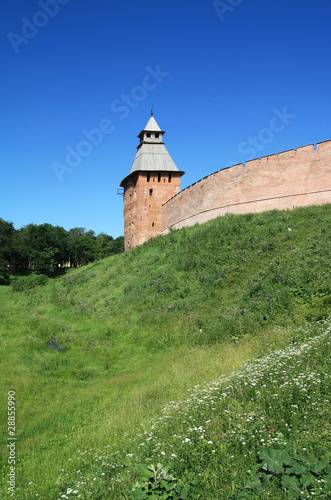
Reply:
x=44, y=248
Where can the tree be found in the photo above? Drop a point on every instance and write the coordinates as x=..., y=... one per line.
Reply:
x=82, y=246
x=20, y=250
x=6, y=242
x=47, y=247
x=118, y=246
x=105, y=245
x=44, y=247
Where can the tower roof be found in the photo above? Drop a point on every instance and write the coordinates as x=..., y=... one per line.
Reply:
x=152, y=155
x=152, y=125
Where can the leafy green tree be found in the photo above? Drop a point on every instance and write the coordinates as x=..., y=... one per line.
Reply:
x=118, y=246
x=43, y=260
x=6, y=242
x=108, y=246
x=20, y=249
x=83, y=246
x=47, y=247
x=105, y=245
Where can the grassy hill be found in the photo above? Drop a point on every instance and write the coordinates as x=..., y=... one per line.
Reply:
x=95, y=357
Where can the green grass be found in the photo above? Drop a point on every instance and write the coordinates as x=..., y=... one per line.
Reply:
x=138, y=330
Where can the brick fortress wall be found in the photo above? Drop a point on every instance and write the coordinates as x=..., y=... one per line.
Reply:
x=290, y=179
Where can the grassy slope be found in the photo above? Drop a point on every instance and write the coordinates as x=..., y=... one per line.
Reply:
x=137, y=330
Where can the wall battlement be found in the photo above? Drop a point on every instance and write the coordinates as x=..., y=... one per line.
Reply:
x=297, y=177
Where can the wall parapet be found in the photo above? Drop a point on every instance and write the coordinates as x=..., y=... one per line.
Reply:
x=296, y=177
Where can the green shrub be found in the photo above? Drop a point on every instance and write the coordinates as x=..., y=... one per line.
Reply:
x=21, y=284
x=156, y=482
x=295, y=475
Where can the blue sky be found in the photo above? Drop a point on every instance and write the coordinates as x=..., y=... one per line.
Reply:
x=229, y=82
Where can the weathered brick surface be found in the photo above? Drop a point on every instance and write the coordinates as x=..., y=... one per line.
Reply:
x=290, y=179
x=143, y=200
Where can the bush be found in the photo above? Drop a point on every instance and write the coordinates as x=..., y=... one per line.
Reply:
x=28, y=282
x=156, y=482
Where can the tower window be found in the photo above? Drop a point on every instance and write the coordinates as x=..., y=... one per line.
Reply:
x=157, y=135
x=151, y=192
x=148, y=176
x=169, y=177
x=159, y=177
x=152, y=224
x=148, y=134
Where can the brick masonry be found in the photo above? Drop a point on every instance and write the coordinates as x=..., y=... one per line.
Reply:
x=290, y=179
x=144, y=195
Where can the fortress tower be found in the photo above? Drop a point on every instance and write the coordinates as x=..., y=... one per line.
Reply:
x=153, y=179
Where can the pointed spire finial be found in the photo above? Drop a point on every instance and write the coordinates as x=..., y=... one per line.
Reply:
x=152, y=110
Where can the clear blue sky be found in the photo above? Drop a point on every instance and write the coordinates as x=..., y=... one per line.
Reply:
x=231, y=85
